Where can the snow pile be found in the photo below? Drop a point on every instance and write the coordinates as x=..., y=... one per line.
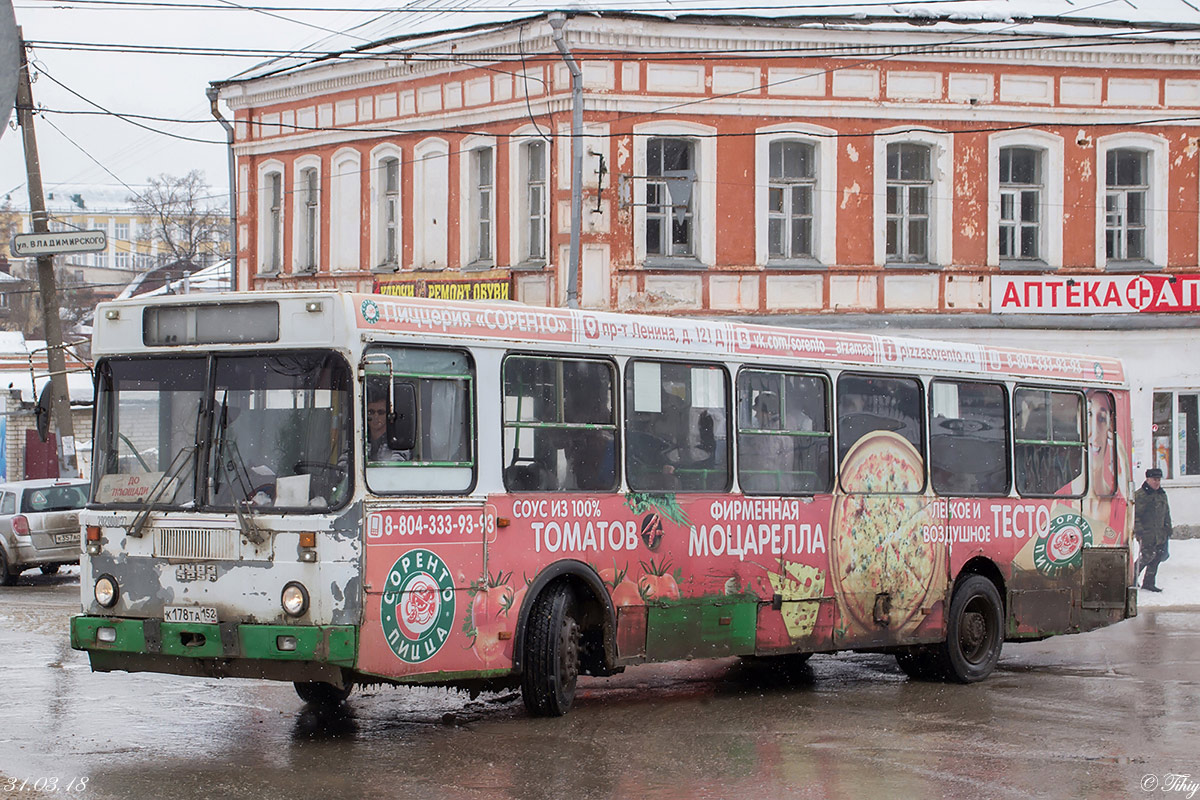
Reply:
x=1178, y=577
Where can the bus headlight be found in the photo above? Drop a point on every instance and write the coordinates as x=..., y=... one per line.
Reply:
x=106, y=591
x=294, y=599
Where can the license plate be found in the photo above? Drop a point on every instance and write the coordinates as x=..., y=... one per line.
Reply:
x=66, y=538
x=203, y=614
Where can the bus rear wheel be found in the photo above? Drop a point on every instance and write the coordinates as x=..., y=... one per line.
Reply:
x=551, y=658
x=319, y=693
x=974, y=631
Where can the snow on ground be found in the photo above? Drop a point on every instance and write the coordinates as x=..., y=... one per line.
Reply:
x=1178, y=577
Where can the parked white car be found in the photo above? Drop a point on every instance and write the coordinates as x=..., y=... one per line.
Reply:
x=39, y=525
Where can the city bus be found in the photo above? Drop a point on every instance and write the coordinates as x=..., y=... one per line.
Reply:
x=352, y=489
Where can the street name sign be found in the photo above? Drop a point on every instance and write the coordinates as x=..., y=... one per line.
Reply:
x=46, y=244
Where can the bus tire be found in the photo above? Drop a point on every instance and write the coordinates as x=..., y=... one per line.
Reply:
x=7, y=576
x=974, y=631
x=319, y=693
x=551, y=662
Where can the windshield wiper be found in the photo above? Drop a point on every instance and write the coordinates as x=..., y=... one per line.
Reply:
x=229, y=458
x=159, y=489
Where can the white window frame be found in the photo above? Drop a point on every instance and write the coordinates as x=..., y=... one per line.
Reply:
x=824, y=193
x=269, y=263
x=431, y=204
x=345, y=210
x=941, y=212
x=1157, y=153
x=518, y=218
x=299, y=211
x=468, y=205
x=1051, y=209
x=704, y=192
x=379, y=223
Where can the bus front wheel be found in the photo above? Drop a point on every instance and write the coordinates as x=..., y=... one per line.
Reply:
x=974, y=631
x=319, y=693
x=551, y=662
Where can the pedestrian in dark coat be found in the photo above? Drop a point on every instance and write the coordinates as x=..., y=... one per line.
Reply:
x=1151, y=527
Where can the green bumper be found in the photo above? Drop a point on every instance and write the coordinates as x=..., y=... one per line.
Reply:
x=333, y=644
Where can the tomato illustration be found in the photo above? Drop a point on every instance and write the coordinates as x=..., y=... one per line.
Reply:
x=622, y=588
x=657, y=583
x=492, y=609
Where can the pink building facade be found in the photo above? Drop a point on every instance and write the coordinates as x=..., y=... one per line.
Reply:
x=854, y=171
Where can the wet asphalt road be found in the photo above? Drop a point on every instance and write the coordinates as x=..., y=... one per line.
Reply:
x=1107, y=714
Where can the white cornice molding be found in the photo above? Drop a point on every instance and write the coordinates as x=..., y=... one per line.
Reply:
x=641, y=40
x=516, y=113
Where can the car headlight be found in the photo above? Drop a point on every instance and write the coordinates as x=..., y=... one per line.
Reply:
x=106, y=591
x=294, y=599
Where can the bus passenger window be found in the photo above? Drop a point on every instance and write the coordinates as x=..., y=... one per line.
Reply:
x=676, y=427
x=560, y=430
x=433, y=451
x=879, y=422
x=783, y=433
x=968, y=438
x=1048, y=429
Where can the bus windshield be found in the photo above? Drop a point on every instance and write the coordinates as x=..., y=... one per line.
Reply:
x=257, y=431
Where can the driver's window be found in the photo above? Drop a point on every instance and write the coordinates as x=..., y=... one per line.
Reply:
x=418, y=420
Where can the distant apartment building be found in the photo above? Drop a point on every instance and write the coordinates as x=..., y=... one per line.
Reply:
x=1031, y=178
x=132, y=248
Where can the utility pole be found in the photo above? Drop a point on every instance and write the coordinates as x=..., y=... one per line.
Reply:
x=60, y=400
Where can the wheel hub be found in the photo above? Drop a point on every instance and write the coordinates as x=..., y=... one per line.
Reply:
x=973, y=632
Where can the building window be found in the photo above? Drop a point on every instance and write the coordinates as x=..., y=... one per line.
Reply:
x=1176, y=433
x=121, y=259
x=670, y=201
x=909, y=201
x=431, y=199
x=346, y=210
x=533, y=203
x=390, y=206
x=790, y=200
x=386, y=230
x=121, y=231
x=482, y=186
x=271, y=216
x=1020, y=204
x=1128, y=186
x=308, y=210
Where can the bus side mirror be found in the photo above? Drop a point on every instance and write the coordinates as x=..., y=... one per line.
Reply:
x=402, y=423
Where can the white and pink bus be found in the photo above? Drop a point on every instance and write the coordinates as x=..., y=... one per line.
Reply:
x=334, y=489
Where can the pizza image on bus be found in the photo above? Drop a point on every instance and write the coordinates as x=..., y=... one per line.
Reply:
x=877, y=543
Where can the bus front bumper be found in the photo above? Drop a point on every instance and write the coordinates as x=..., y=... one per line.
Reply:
x=281, y=652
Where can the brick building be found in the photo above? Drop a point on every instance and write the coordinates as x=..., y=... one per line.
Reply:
x=964, y=175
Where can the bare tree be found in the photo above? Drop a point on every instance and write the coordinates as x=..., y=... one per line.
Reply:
x=184, y=217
